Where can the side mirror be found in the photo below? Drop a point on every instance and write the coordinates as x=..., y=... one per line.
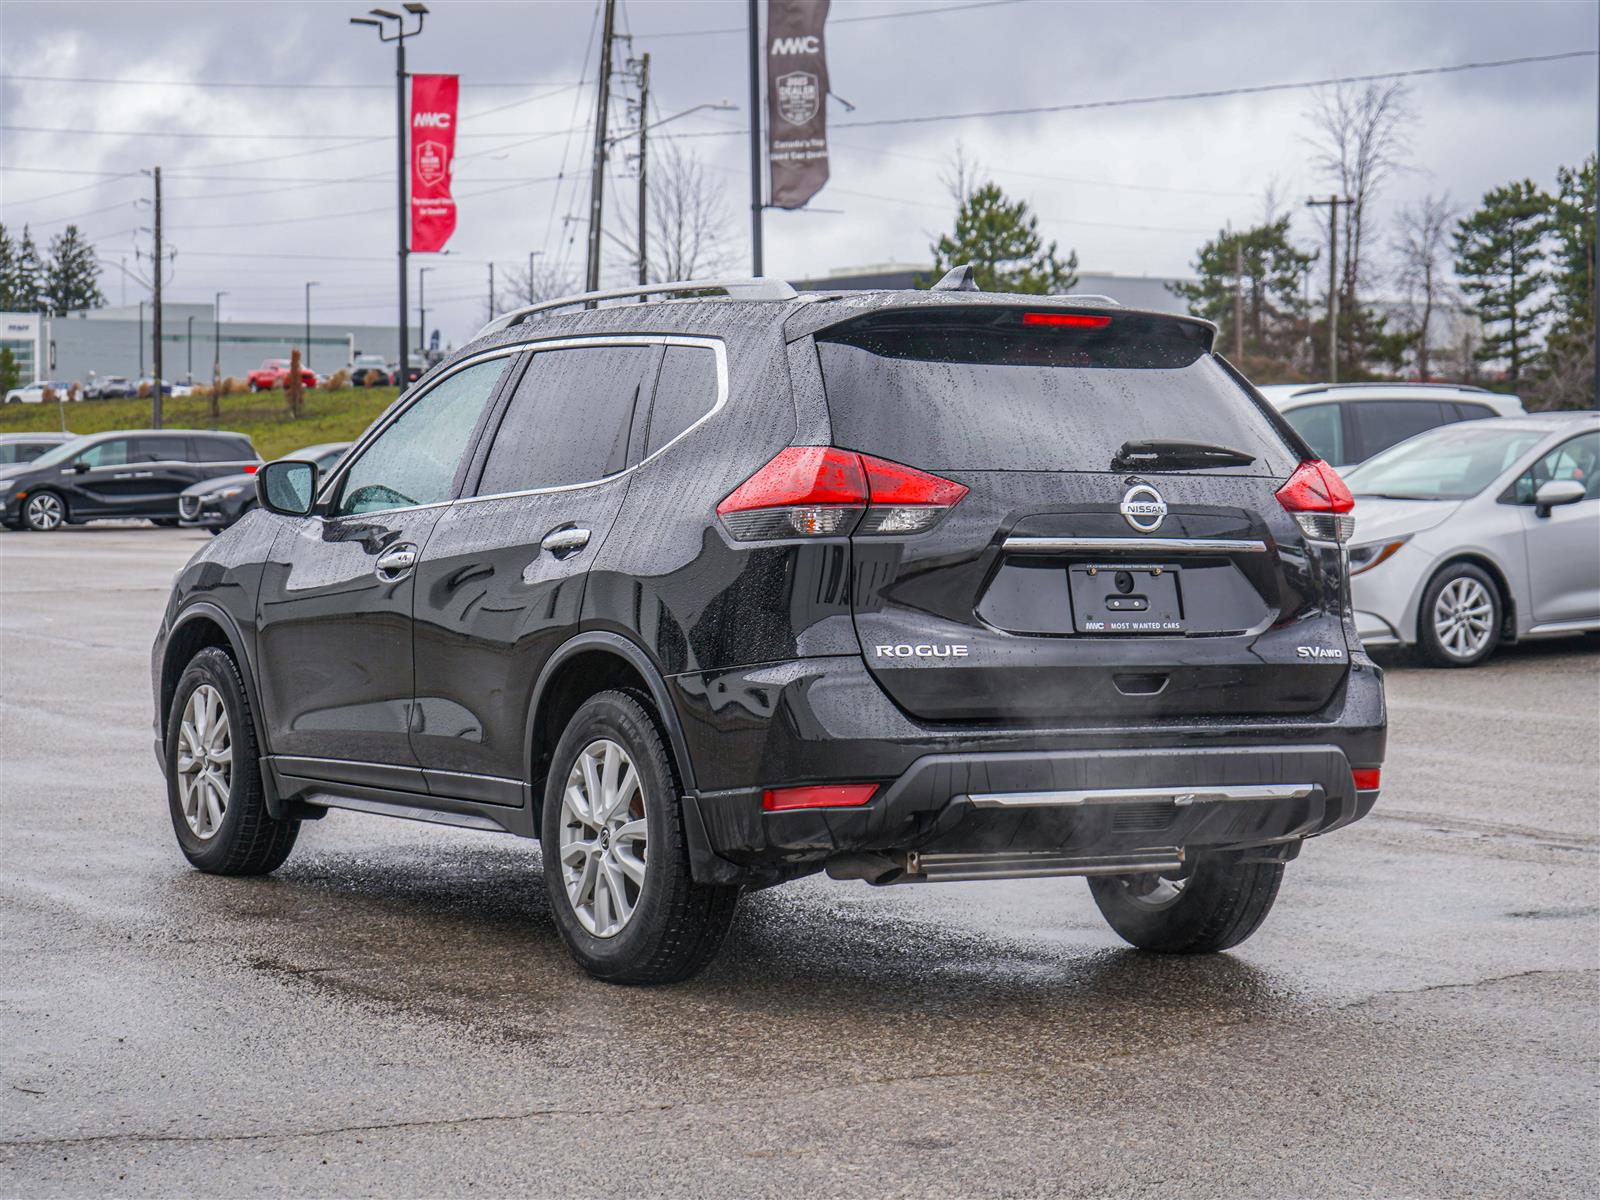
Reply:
x=287, y=487
x=80, y=466
x=1555, y=493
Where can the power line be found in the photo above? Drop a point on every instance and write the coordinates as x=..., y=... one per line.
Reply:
x=245, y=135
x=884, y=16
x=218, y=83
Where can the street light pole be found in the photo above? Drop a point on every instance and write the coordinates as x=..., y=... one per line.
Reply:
x=398, y=37
x=188, y=342
x=216, y=339
x=310, y=283
x=422, y=304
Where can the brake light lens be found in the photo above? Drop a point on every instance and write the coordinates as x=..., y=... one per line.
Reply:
x=1367, y=779
x=251, y=468
x=823, y=491
x=1066, y=320
x=836, y=795
x=1320, y=502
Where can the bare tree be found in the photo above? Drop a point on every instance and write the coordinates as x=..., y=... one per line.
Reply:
x=688, y=219
x=1422, y=244
x=533, y=283
x=963, y=175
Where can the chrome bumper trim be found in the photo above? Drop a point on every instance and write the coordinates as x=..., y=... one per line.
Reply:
x=1059, y=545
x=951, y=868
x=1180, y=796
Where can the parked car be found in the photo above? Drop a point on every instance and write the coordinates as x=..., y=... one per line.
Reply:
x=1471, y=535
x=275, y=372
x=128, y=473
x=16, y=448
x=109, y=387
x=215, y=504
x=416, y=368
x=33, y=393
x=904, y=585
x=1347, y=423
x=370, y=370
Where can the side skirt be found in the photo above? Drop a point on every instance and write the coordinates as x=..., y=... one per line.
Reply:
x=293, y=790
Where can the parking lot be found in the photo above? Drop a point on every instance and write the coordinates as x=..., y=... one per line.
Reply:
x=393, y=1012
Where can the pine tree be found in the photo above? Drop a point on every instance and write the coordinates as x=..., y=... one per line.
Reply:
x=72, y=277
x=26, y=283
x=1000, y=238
x=10, y=373
x=1500, y=261
x=1572, y=217
x=1271, y=273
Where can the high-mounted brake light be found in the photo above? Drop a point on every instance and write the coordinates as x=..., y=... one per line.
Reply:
x=1320, y=502
x=822, y=491
x=1067, y=320
x=1367, y=779
x=836, y=795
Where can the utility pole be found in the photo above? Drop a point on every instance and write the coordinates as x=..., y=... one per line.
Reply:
x=422, y=304
x=755, y=140
x=216, y=359
x=188, y=342
x=141, y=339
x=491, y=294
x=644, y=192
x=597, y=181
x=532, y=254
x=1332, y=204
x=155, y=353
x=310, y=283
x=1238, y=302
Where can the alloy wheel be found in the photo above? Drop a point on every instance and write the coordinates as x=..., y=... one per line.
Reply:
x=205, y=761
x=45, y=512
x=1463, y=617
x=603, y=838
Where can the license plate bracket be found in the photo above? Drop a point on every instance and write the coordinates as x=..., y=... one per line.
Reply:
x=1123, y=598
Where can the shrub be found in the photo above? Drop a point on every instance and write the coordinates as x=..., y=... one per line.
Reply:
x=50, y=395
x=230, y=386
x=338, y=381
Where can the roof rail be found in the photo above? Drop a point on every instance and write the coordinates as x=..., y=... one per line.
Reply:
x=760, y=288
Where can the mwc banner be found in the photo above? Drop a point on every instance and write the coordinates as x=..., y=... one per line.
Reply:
x=433, y=152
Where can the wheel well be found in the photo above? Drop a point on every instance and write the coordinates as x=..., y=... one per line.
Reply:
x=585, y=674
x=186, y=641
x=1508, y=603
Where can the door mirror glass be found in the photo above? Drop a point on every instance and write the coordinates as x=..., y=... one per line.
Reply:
x=287, y=487
x=1556, y=492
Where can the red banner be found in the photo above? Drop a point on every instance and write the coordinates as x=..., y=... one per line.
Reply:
x=433, y=153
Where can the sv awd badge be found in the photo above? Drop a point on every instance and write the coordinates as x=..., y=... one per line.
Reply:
x=1327, y=652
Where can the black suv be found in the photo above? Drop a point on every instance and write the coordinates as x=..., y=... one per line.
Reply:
x=129, y=473
x=710, y=594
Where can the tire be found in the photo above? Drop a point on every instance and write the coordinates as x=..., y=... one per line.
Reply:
x=247, y=840
x=1221, y=902
x=674, y=925
x=1459, y=620
x=44, y=512
x=164, y=522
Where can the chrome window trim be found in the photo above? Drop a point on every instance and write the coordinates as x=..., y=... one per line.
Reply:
x=1057, y=545
x=533, y=345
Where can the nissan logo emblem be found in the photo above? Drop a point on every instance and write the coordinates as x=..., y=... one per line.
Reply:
x=1143, y=508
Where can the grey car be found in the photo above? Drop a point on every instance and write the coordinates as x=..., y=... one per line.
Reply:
x=215, y=504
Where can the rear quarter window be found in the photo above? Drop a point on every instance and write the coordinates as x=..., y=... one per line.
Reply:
x=979, y=390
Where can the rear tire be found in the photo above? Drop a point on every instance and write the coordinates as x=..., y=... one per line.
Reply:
x=1219, y=904
x=616, y=857
x=214, y=789
x=1459, y=620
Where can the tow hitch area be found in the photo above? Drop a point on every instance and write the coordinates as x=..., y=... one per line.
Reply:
x=917, y=867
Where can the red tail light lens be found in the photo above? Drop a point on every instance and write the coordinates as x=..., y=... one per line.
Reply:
x=822, y=491
x=1320, y=502
x=1367, y=778
x=251, y=468
x=1066, y=320
x=837, y=795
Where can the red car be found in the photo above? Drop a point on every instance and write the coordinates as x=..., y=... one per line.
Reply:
x=275, y=372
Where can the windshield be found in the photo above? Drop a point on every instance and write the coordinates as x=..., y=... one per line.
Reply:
x=61, y=453
x=1452, y=463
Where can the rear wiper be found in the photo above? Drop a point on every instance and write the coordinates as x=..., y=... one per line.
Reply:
x=1154, y=455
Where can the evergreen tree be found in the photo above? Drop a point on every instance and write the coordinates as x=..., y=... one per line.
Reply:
x=10, y=373
x=72, y=277
x=1270, y=274
x=1500, y=259
x=1572, y=217
x=1000, y=238
x=8, y=271
x=27, y=276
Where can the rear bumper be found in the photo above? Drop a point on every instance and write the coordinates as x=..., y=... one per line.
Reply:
x=1087, y=791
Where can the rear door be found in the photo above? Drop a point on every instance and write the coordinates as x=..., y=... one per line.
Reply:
x=1082, y=575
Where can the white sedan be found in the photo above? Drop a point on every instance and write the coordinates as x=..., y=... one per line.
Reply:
x=33, y=393
x=1479, y=531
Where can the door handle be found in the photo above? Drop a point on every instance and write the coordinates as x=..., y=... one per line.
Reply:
x=396, y=562
x=565, y=541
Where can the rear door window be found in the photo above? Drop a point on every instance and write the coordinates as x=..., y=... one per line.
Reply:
x=1322, y=426
x=686, y=390
x=216, y=449
x=159, y=449
x=1380, y=424
x=1473, y=412
x=568, y=420
x=988, y=389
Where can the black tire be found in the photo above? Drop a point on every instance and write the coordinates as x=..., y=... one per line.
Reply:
x=164, y=522
x=33, y=518
x=677, y=925
x=1432, y=644
x=248, y=840
x=1220, y=903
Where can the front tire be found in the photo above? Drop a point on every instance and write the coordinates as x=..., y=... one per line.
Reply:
x=1459, y=620
x=1217, y=905
x=616, y=857
x=44, y=512
x=214, y=788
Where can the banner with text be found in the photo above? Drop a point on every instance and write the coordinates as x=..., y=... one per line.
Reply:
x=433, y=153
x=797, y=100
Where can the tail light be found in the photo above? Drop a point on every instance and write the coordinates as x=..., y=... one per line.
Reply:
x=1320, y=502
x=837, y=795
x=822, y=491
x=251, y=468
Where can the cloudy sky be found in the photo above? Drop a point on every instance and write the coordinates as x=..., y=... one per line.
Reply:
x=273, y=125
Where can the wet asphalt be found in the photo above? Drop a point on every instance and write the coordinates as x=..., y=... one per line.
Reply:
x=393, y=1014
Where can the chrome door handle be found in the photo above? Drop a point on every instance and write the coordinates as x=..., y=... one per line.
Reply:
x=395, y=562
x=559, y=540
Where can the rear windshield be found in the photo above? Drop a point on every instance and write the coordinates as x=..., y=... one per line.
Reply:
x=981, y=390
